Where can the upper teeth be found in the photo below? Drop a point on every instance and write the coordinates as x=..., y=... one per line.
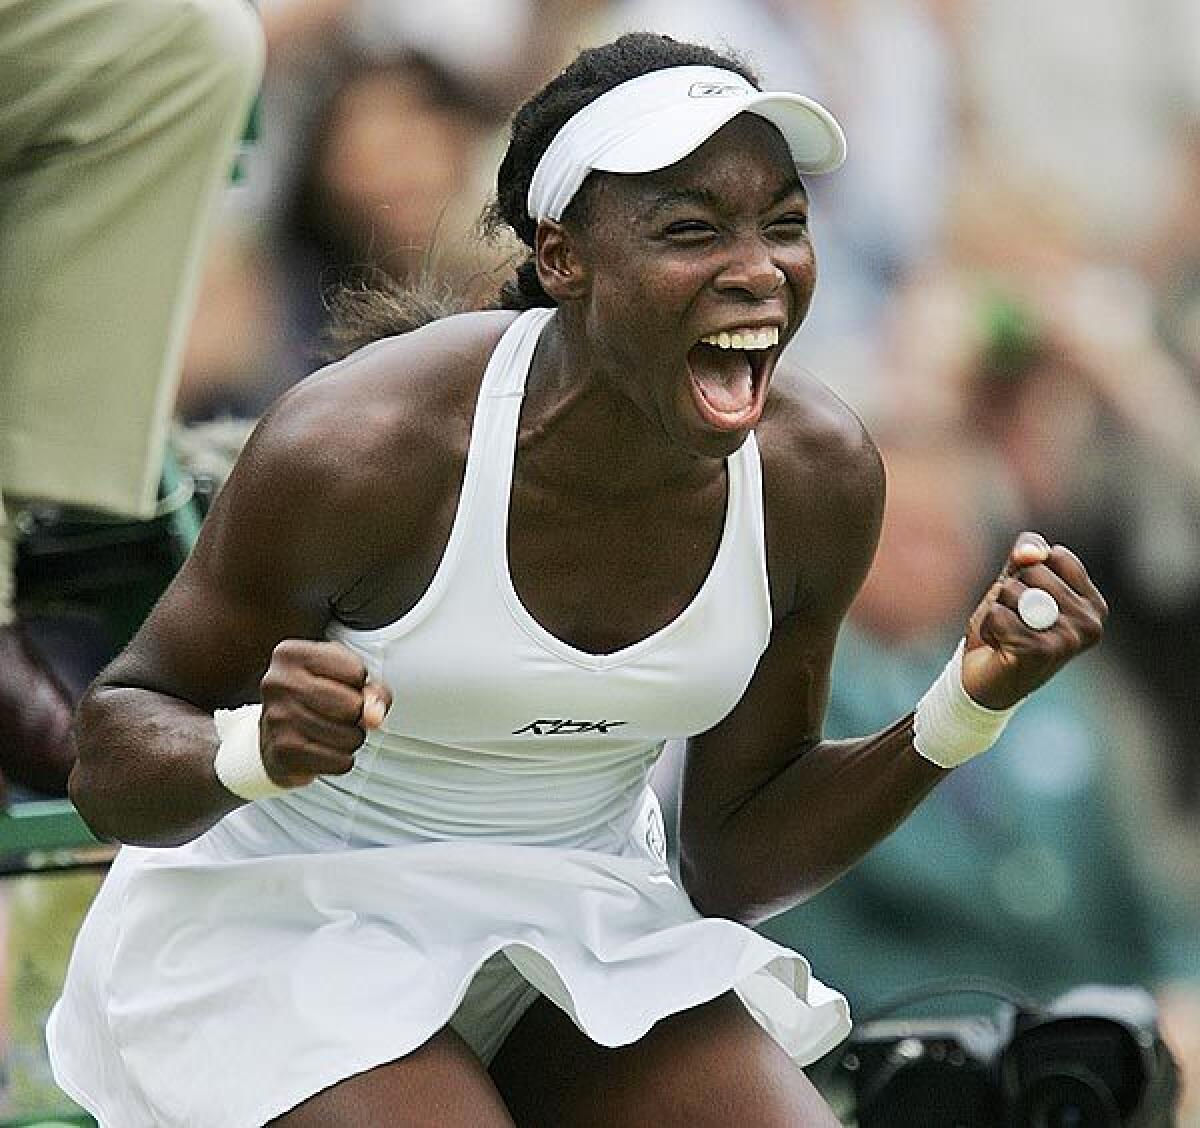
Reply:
x=744, y=339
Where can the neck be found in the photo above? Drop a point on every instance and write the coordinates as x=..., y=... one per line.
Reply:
x=578, y=429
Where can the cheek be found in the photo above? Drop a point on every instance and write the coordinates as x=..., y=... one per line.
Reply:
x=801, y=271
x=639, y=320
x=645, y=289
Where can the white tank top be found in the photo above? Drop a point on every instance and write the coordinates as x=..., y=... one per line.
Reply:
x=500, y=730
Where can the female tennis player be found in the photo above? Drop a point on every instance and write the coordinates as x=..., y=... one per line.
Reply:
x=380, y=753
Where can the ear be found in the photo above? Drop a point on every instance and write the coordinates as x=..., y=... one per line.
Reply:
x=560, y=266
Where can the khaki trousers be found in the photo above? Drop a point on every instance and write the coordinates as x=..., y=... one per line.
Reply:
x=119, y=120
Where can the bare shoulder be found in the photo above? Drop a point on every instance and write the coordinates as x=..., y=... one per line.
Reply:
x=357, y=456
x=384, y=416
x=395, y=389
x=811, y=429
x=824, y=489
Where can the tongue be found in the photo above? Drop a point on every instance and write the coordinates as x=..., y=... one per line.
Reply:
x=723, y=377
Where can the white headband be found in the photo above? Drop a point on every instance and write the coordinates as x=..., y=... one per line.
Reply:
x=656, y=119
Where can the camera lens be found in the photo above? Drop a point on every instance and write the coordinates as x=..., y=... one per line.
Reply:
x=1067, y=1098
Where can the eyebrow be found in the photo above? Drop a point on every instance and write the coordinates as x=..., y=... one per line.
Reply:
x=666, y=198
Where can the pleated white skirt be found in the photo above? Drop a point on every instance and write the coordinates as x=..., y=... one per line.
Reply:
x=217, y=991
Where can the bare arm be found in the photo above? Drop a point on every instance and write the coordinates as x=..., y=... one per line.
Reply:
x=771, y=813
x=266, y=569
x=817, y=808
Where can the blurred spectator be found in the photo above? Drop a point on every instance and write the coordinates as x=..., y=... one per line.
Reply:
x=1017, y=867
x=1098, y=430
x=386, y=186
x=1093, y=429
x=501, y=52
x=382, y=187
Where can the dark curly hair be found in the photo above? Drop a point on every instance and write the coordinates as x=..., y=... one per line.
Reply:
x=385, y=308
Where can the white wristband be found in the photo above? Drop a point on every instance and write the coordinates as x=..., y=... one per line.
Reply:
x=949, y=726
x=239, y=764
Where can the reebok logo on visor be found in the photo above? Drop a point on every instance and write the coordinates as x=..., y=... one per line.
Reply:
x=715, y=90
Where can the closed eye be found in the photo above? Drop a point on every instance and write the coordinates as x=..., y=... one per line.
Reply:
x=689, y=230
x=790, y=226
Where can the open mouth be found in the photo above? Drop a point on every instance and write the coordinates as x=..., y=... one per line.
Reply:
x=728, y=375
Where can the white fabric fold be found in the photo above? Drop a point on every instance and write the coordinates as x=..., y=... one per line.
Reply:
x=237, y=988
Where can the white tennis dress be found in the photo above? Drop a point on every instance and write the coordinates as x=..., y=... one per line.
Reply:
x=496, y=839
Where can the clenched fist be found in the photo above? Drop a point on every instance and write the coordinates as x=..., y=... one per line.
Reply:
x=318, y=705
x=1005, y=659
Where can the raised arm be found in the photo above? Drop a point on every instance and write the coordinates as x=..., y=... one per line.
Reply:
x=771, y=813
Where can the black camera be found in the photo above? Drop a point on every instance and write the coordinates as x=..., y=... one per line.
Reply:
x=1092, y=1058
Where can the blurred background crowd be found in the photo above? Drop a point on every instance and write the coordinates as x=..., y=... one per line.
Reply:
x=1009, y=296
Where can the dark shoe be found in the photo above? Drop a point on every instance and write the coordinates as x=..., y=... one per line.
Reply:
x=36, y=711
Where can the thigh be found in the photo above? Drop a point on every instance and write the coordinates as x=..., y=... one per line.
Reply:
x=441, y=1085
x=709, y=1067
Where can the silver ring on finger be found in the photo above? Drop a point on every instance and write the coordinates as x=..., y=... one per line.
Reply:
x=1037, y=609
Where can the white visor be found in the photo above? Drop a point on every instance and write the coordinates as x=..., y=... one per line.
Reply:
x=656, y=119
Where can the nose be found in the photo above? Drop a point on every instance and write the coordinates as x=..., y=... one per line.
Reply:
x=752, y=270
